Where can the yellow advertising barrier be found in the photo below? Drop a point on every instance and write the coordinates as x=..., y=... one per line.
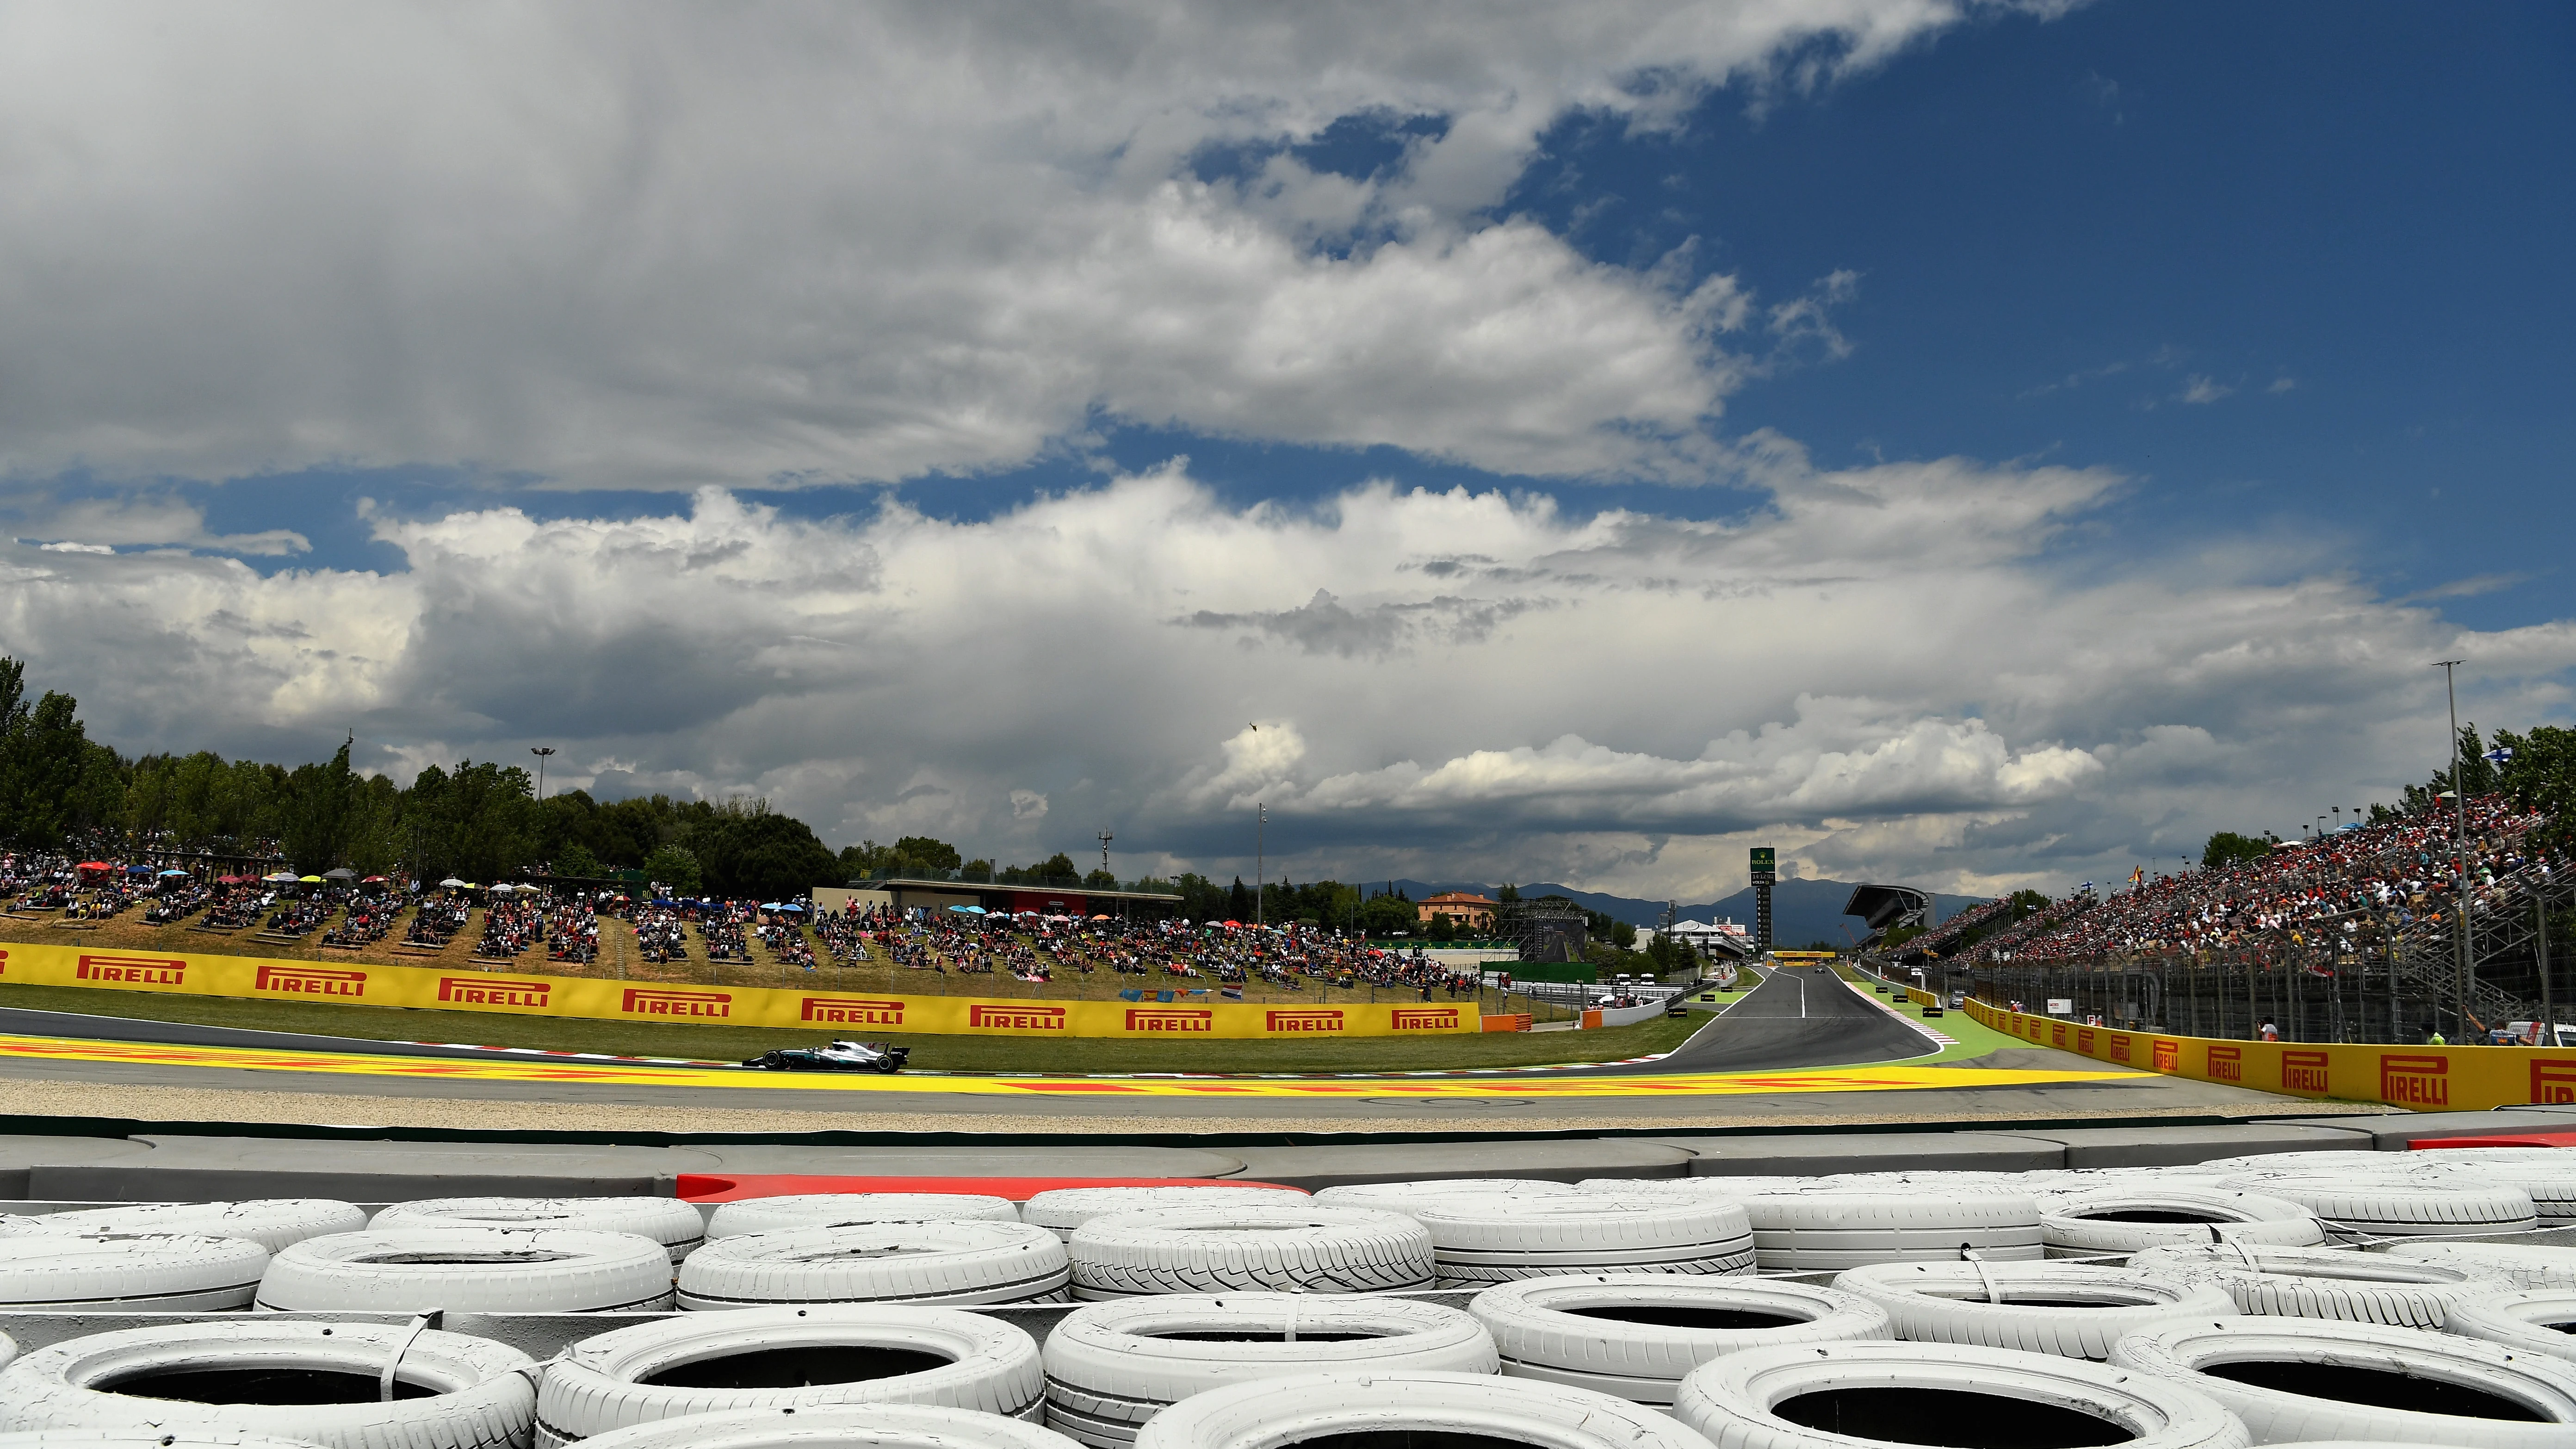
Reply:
x=828, y=1011
x=2427, y=1079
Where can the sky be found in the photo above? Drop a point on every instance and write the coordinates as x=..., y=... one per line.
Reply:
x=1974, y=445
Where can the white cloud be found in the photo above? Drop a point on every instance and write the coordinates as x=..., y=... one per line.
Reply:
x=146, y=516
x=1890, y=669
x=2200, y=389
x=667, y=245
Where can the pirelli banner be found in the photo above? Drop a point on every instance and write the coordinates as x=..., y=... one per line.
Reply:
x=2427, y=1079
x=832, y=1013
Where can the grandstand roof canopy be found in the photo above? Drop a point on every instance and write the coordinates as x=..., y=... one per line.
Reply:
x=1884, y=905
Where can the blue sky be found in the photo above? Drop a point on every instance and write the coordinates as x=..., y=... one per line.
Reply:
x=2349, y=222
x=2266, y=300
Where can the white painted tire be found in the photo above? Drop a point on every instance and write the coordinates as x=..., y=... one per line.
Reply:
x=2328, y=1283
x=1302, y=1248
x=1769, y=1398
x=1831, y=1231
x=835, y=1426
x=760, y=1358
x=954, y=1263
x=834, y=1209
x=2110, y=1221
x=129, y=1273
x=2534, y=1320
x=273, y=1223
x=1637, y=1335
x=666, y=1220
x=1995, y=1307
x=470, y=1270
x=1398, y=1196
x=2397, y=1207
x=143, y=1439
x=8, y=1350
x=1061, y=1210
x=1413, y=1405
x=1112, y=1366
x=2524, y=1265
x=2319, y=1375
x=475, y=1393
x=2548, y=1174
x=1477, y=1241
x=1729, y=1188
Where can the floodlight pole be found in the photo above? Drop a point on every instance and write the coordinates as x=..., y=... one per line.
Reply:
x=543, y=753
x=1260, y=818
x=2462, y=979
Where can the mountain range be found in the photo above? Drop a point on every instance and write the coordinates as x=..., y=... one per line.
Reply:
x=1801, y=910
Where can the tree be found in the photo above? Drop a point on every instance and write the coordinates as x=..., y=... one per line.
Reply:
x=2227, y=848
x=47, y=759
x=2542, y=776
x=744, y=850
x=1238, y=902
x=578, y=862
x=1101, y=880
x=1388, y=916
x=920, y=852
x=673, y=866
x=1623, y=935
x=322, y=813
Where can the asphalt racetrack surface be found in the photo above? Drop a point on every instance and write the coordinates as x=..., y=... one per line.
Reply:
x=1802, y=1046
x=1794, y=1019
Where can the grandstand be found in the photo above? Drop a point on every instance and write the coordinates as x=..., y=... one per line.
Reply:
x=2349, y=936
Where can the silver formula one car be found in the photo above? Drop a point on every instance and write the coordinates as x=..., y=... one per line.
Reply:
x=839, y=1056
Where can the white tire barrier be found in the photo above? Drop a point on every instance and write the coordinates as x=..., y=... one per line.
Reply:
x=960, y=1262
x=1830, y=1231
x=2524, y=1265
x=143, y=1439
x=273, y=1223
x=2548, y=1174
x=834, y=1209
x=8, y=1350
x=2110, y=1221
x=666, y=1220
x=1637, y=1335
x=1061, y=1210
x=789, y=1358
x=470, y=1270
x=2396, y=1207
x=1398, y=1196
x=2328, y=1283
x=835, y=1426
x=1419, y=1407
x=1852, y=1394
x=1730, y=1188
x=315, y=1383
x=129, y=1273
x=2312, y=1380
x=2073, y=1310
x=1112, y=1366
x=1477, y=1241
x=2535, y=1320
x=1303, y=1248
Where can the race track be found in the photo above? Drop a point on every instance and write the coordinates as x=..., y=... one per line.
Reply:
x=1802, y=1042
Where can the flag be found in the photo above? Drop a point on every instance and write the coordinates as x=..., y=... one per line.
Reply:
x=1131, y=994
x=1232, y=993
x=2138, y=875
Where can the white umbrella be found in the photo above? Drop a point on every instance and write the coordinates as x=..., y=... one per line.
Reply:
x=451, y=883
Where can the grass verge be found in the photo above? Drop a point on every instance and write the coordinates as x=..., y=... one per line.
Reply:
x=941, y=1053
